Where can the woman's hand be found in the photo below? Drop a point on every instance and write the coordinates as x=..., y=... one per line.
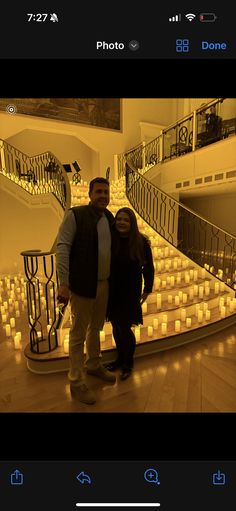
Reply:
x=143, y=297
x=63, y=295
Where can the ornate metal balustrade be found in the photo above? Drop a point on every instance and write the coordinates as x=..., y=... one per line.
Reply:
x=186, y=135
x=203, y=242
x=41, y=286
x=38, y=174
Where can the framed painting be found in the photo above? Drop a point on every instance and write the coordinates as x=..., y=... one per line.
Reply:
x=99, y=112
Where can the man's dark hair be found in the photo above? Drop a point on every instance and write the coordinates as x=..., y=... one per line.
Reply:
x=97, y=180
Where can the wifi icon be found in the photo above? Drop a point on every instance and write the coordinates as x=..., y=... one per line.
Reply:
x=190, y=16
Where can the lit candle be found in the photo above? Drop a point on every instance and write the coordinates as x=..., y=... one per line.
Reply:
x=163, y=328
x=191, y=293
x=207, y=291
x=16, y=305
x=158, y=301
x=203, y=273
x=205, y=306
x=195, y=275
x=222, y=286
x=200, y=316
x=102, y=335
x=183, y=314
x=188, y=322
x=180, y=293
x=165, y=318
x=201, y=291
x=178, y=280
x=19, y=335
x=195, y=290
x=5, y=305
x=185, y=297
x=177, y=325
x=144, y=307
x=172, y=281
x=187, y=278
x=66, y=345
x=217, y=287
x=12, y=322
x=17, y=342
x=4, y=318
x=231, y=306
x=150, y=331
x=208, y=315
x=8, y=330
x=222, y=311
x=177, y=300
x=137, y=334
x=170, y=299
x=2, y=309
x=163, y=284
x=48, y=328
x=155, y=323
x=191, y=274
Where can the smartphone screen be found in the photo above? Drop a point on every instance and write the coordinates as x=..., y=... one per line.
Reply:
x=161, y=130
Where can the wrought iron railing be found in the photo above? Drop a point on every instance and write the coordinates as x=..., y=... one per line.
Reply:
x=205, y=243
x=38, y=174
x=41, y=286
x=184, y=136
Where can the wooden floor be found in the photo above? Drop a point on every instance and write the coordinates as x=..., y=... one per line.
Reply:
x=199, y=377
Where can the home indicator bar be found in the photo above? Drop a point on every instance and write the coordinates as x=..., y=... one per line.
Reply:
x=117, y=504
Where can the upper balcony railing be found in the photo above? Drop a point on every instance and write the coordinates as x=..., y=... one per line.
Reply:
x=38, y=174
x=207, y=124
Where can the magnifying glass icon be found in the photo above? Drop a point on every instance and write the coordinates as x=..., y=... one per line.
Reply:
x=151, y=476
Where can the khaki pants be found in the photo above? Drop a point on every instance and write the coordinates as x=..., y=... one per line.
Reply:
x=88, y=315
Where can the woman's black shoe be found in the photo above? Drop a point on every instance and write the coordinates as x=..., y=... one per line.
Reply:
x=125, y=373
x=112, y=366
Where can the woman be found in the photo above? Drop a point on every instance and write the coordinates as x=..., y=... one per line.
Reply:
x=131, y=261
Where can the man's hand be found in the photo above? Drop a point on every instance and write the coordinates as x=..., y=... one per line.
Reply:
x=63, y=295
x=144, y=297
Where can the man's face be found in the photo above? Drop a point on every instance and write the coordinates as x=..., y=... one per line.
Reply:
x=100, y=196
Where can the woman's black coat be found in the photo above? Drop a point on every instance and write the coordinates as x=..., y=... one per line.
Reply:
x=126, y=281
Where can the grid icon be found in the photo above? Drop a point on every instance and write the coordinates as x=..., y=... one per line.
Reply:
x=182, y=45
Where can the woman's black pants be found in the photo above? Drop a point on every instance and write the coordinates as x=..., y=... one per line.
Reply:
x=125, y=343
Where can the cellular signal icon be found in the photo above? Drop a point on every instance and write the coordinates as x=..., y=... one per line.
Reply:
x=177, y=17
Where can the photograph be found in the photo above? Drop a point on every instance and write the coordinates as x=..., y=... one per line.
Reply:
x=118, y=255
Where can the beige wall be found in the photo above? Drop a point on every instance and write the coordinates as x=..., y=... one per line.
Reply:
x=27, y=222
x=217, y=209
x=205, y=161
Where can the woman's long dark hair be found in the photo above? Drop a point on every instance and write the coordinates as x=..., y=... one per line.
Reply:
x=136, y=239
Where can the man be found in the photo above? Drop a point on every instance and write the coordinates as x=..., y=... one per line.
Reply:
x=83, y=264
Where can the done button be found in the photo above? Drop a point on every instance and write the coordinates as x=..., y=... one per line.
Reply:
x=213, y=46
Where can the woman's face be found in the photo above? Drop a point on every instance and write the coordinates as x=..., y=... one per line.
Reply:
x=123, y=223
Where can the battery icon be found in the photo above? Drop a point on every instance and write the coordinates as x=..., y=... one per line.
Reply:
x=207, y=17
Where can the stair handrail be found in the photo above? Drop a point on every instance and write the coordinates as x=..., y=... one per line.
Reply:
x=41, y=173
x=205, y=243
